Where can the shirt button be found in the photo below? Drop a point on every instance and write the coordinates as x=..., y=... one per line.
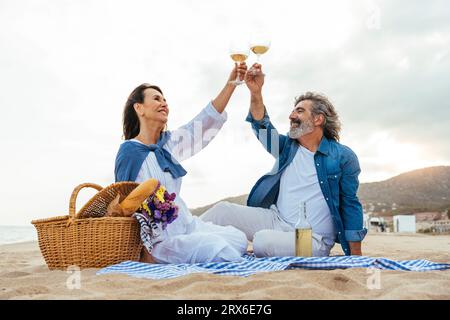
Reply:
x=335, y=176
x=327, y=199
x=317, y=164
x=321, y=181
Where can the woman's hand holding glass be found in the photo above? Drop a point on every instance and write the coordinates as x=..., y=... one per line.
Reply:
x=239, y=52
x=237, y=75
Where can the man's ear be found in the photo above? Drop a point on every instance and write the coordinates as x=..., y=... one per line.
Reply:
x=319, y=120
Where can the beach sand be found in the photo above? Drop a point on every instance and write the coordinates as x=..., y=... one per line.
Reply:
x=24, y=275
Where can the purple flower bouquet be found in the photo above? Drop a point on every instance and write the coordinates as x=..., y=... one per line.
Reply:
x=160, y=208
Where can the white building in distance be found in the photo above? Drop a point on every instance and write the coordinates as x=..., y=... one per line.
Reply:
x=404, y=223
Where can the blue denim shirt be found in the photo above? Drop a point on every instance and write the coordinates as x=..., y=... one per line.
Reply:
x=337, y=170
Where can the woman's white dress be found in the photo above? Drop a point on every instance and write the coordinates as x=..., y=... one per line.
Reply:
x=189, y=239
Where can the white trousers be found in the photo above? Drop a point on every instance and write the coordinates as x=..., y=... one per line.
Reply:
x=203, y=242
x=271, y=235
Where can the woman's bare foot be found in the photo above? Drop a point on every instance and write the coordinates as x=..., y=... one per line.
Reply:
x=146, y=257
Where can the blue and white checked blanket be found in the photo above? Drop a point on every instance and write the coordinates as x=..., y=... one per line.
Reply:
x=252, y=265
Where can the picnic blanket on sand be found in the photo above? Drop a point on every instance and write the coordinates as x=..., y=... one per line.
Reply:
x=252, y=265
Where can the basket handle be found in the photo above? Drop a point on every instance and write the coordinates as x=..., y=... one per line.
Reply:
x=73, y=198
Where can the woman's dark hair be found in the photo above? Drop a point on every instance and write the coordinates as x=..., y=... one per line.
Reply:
x=130, y=118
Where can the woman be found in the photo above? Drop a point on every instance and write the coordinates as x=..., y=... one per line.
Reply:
x=151, y=152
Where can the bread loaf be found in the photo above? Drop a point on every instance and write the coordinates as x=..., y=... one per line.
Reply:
x=133, y=201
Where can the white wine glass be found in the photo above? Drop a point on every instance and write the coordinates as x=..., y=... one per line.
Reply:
x=239, y=52
x=259, y=44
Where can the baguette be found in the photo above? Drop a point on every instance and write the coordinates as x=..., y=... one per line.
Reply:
x=134, y=200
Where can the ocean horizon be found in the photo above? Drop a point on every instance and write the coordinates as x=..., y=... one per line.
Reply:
x=16, y=234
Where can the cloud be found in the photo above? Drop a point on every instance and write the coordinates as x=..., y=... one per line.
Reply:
x=392, y=79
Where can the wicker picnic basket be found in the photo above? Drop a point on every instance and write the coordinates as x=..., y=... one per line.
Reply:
x=87, y=239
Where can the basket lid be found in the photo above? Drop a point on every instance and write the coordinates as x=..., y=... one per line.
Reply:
x=97, y=206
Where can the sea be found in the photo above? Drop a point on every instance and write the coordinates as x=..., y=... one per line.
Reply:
x=15, y=234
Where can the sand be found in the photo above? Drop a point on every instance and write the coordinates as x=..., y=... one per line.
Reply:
x=24, y=275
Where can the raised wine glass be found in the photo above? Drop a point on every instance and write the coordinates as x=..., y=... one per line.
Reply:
x=259, y=44
x=239, y=52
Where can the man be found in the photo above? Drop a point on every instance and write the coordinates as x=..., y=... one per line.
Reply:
x=311, y=166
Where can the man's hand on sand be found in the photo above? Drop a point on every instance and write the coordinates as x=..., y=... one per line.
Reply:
x=355, y=248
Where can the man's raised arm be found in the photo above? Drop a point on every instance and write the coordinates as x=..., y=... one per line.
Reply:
x=254, y=80
x=266, y=133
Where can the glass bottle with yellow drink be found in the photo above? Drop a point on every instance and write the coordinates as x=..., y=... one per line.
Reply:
x=303, y=234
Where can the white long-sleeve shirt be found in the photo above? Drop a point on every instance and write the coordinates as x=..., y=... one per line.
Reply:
x=189, y=239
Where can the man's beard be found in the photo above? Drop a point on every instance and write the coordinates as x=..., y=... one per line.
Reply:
x=298, y=131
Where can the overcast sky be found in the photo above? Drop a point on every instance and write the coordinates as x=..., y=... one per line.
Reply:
x=67, y=67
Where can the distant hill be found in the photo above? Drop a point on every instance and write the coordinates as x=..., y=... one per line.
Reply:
x=239, y=200
x=425, y=189
x=419, y=190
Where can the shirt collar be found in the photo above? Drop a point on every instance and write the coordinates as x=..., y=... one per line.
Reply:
x=324, y=146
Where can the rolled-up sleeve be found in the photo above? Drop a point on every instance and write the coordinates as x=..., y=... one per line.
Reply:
x=350, y=207
x=213, y=113
x=263, y=123
x=355, y=235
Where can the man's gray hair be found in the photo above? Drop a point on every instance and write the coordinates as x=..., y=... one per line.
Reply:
x=321, y=105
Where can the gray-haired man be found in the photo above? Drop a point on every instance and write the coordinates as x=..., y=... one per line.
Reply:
x=311, y=166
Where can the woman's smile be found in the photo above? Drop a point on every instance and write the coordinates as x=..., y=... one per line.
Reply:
x=164, y=111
